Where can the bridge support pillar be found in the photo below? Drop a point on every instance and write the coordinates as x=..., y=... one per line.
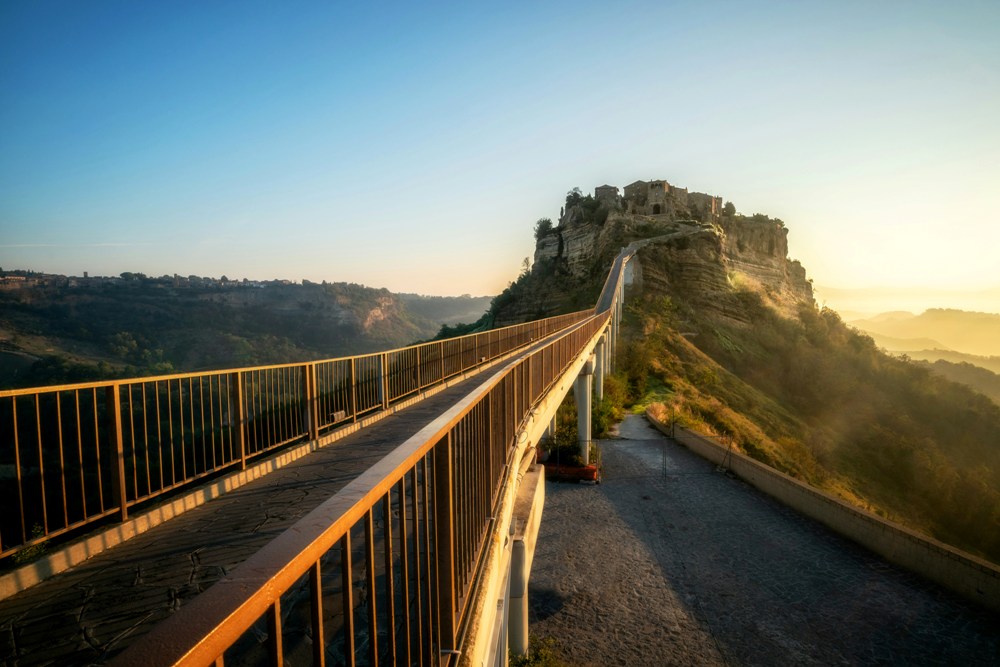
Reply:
x=614, y=340
x=601, y=358
x=583, y=392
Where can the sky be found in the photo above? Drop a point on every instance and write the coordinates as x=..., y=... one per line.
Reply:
x=414, y=145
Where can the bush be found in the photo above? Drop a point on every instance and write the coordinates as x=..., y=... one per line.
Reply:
x=543, y=228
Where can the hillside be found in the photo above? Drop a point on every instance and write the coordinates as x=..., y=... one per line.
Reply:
x=722, y=332
x=958, y=330
x=982, y=380
x=57, y=329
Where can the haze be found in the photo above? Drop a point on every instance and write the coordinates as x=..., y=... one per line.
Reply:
x=413, y=146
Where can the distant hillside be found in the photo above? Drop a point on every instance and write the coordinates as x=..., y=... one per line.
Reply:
x=446, y=309
x=984, y=381
x=893, y=344
x=55, y=329
x=969, y=332
x=991, y=364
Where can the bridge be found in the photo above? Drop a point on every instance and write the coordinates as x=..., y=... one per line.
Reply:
x=377, y=509
x=415, y=545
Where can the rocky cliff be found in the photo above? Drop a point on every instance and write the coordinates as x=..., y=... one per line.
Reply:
x=707, y=258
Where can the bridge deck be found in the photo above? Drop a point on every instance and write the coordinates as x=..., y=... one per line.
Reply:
x=93, y=611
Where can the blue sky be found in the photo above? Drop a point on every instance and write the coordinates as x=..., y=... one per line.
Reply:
x=413, y=145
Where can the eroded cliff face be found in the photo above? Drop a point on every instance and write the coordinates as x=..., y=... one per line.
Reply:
x=706, y=264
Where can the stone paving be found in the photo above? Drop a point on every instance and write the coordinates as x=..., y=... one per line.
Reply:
x=90, y=613
x=670, y=561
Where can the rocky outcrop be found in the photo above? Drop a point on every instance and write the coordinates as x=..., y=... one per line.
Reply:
x=706, y=263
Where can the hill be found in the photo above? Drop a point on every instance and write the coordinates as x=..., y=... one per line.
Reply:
x=991, y=364
x=982, y=380
x=722, y=333
x=959, y=330
x=57, y=329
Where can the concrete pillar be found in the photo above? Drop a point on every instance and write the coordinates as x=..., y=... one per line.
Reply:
x=517, y=615
x=600, y=357
x=614, y=341
x=583, y=391
x=608, y=351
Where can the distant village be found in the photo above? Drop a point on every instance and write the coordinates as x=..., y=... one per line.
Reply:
x=20, y=279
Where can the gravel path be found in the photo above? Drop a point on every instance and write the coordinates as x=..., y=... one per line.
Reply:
x=670, y=562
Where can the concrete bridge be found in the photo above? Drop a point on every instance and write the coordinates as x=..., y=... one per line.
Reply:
x=379, y=509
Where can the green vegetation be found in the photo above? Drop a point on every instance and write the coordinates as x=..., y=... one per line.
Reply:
x=590, y=209
x=541, y=653
x=60, y=331
x=985, y=382
x=817, y=400
x=543, y=228
x=35, y=551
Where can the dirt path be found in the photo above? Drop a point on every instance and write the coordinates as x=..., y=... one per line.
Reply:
x=672, y=562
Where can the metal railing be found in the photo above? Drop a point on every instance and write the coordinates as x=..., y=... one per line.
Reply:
x=385, y=571
x=73, y=455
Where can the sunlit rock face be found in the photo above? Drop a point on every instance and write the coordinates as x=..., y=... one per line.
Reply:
x=702, y=253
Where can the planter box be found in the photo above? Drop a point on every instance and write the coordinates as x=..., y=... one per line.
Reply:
x=572, y=473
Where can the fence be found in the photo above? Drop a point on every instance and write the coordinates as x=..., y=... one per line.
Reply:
x=383, y=572
x=73, y=455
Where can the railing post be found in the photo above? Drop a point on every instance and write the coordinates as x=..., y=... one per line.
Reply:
x=114, y=416
x=383, y=380
x=444, y=519
x=419, y=383
x=238, y=415
x=441, y=357
x=310, y=401
x=354, y=390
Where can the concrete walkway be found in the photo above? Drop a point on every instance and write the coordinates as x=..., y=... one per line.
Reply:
x=670, y=562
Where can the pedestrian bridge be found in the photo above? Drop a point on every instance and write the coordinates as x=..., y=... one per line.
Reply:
x=418, y=554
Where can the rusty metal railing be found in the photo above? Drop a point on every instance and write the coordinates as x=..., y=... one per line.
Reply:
x=73, y=455
x=383, y=572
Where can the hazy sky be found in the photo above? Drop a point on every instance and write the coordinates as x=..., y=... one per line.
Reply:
x=413, y=145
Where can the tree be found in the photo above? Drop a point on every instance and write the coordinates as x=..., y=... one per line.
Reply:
x=573, y=197
x=543, y=228
x=729, y=209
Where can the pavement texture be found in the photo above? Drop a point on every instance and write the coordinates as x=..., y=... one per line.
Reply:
x=89, y=614
x=672, y=562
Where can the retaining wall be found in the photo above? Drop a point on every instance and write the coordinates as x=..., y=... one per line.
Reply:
x=963, y=573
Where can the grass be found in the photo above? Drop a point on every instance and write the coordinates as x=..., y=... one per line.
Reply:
x=541, y=653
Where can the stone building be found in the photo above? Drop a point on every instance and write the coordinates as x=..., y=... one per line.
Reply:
x=659, y=197
x=607, y=194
